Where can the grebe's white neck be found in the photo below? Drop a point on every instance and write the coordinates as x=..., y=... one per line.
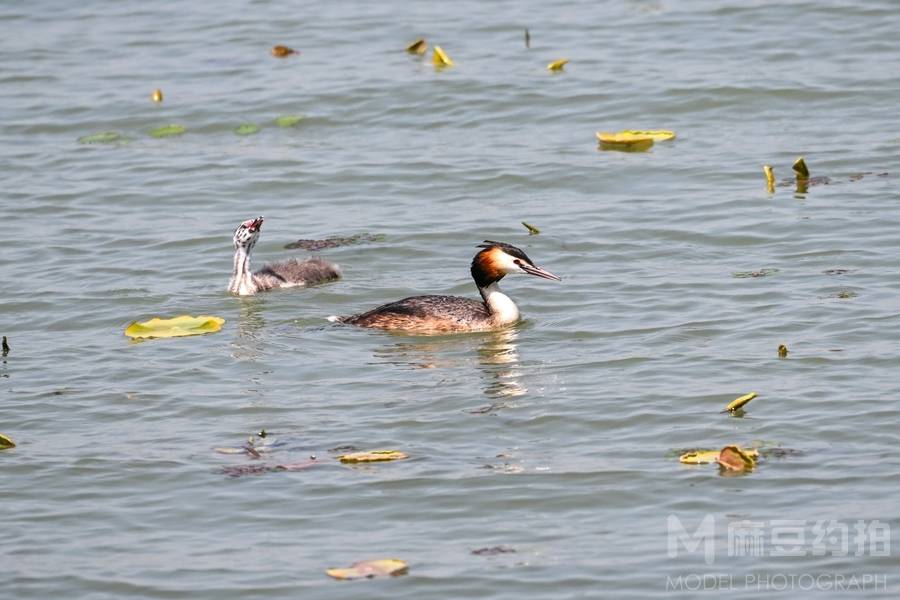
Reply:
x=241, y=277
x=502, y=308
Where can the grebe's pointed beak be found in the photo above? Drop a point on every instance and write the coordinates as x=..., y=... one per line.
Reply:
x=539, y=272
x=256, y=224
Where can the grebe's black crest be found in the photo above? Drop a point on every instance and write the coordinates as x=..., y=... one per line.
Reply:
x=498, y=259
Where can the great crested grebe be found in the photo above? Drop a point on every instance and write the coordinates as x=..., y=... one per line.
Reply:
x=446, y=314
x=289, y=273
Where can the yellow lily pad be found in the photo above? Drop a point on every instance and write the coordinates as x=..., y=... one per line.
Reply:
x=372, y=456
x=367, y=569
x=6, y=442
x=624, y=141
x=705, y=457
x=658, y=135
x=558, y=65
x=440, y=58
x=770, y=178
x=739, y=403
x=420, y=46
x=175, y=327
x=733, y=458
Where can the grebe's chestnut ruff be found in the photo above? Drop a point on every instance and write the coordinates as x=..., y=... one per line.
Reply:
x=289, y=273
x=448, y=314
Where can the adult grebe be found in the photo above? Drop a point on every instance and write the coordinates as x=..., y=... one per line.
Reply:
x=447, y=314
x=289, y=273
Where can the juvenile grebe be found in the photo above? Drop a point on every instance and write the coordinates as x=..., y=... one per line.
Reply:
x=289, y=273
x=446, y=314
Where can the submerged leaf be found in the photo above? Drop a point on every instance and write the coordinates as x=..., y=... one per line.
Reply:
x=760, y=273
x=368, y=569
x=288, y=120
x=6, y=442
x=440, y=58
x=420, y=46
x=104, y=137
x=558, y=65
x=168, y=131
x=246, y=129
x=334, y=242
x=372, y=456
x=175, y=327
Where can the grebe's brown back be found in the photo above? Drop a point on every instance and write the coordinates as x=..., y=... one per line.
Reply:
x=447, y=314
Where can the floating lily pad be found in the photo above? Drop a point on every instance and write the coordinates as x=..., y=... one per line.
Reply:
x=372, y=456
x=739, y=403
x=440, y=58
x=558, y=65
x=733, y=458
x=6, y=442
x=104, y=137
x=367, y=569
x=532, y=230
x=706, y=456
x=168, y=131
x=282, y=51
x=246, y=129
x=289, y=120
x=633, y=139
x=625, y=142
x=417, y=47
x=175, y=327
x=801, y=169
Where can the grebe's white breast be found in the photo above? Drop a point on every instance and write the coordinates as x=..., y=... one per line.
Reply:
x=503, y=310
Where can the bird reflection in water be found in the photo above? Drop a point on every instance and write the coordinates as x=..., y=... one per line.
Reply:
x=497, y=358
x=248, y=345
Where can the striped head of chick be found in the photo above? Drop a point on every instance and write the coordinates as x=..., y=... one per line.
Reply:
x=247, y=233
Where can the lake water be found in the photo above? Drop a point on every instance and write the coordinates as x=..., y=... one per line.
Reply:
x=543, y=459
